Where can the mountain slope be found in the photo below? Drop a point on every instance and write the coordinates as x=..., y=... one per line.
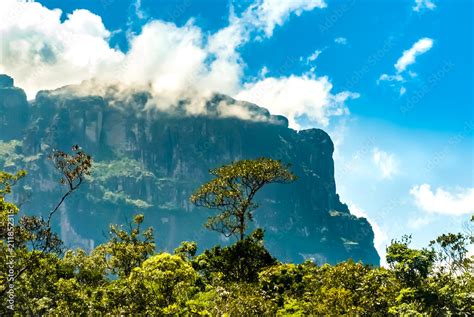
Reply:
x=150, y=161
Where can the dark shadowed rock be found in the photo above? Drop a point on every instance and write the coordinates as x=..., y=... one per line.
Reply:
x=13, y=109
x=5, y=81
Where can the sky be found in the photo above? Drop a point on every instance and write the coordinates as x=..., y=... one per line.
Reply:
x=390, y=81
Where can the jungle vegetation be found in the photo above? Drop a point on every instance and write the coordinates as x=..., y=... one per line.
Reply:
x=127, y=275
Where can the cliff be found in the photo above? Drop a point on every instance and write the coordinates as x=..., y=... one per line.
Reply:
x=150, y=161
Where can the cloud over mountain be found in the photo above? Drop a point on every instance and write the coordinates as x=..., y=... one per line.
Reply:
x=41, y=51
x=298, y=96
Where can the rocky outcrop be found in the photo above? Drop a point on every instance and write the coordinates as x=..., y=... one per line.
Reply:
x=13, y=109
x=150, y=162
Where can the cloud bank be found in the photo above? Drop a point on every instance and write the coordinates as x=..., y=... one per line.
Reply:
x=175, y=62
x=40, y=52
x=440, y=201
x=298, y=96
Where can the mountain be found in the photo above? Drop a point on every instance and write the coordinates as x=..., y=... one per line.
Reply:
x=149, y=160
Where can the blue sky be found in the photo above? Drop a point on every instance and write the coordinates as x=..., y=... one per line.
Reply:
x=391, y=81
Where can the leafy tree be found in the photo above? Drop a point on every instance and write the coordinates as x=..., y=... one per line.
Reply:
x=124, y=276
x=73, y=169
x=241, y=261
x=187, y=250
x=345, y=289
x=24, y=246
x=283, y=281
x=453, y=251
x=9, y=232
x=34, y=232
x=127, y=249
x=10, y=235
x=7, y=180
x=233, y=190
x=410, y=265
x=162, y=284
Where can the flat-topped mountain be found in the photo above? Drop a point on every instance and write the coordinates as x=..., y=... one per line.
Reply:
x=149, y=160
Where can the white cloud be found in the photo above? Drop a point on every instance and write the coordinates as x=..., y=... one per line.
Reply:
x=40, y=52
x=297, y=96
x=37, y=47
x=171, y=58
x=139, y=12
x=385, y=162
x=386, y=77
x=423, y=4
x=340, y=40
x=441, y=201
x=417, y=223
x=262, y=16
x=314, y=56
x=267, y=14
x=380, y=237
x=175, y=62
x=409, y=56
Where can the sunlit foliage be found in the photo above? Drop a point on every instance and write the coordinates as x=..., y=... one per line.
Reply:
x=127, y=276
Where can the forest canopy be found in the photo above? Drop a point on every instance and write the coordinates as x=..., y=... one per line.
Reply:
x=128, y=275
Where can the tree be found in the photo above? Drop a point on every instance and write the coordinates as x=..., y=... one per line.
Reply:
x=453, y=250
x=32, y=232
x=161, y=285
x=127, y=249
x=411, y=266
x=233, y=190
x=241, y=261
x=8, y=209
x=73, y=169
x=186, y=250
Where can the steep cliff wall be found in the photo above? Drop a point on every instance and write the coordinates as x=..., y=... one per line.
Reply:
x=150, y=161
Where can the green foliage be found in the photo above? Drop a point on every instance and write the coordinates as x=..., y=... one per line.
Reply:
x=7, y=180
x=410, y=265
x=187, y=250
x=124, y=276
x=233, y=189
x=283, y=281
x=104, y=171
x=241, y=261
x=73, y=168
x=162, y=284
x=127, y=249
x=452, y=250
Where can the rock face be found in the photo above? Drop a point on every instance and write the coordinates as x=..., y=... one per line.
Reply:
x=150, y=162
x=13, y=109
